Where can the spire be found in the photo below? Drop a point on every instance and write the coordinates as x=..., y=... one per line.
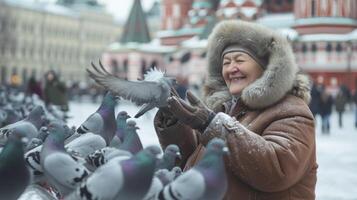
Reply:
x=136, y=28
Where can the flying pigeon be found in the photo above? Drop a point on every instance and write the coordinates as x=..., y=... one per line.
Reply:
x=205, y=181
x=62, y=171
x=152, y=92
x=14, y=175
x=126, y=179
x=102, y=122
x=171, y=153
x=131, y=141
x=27, y=127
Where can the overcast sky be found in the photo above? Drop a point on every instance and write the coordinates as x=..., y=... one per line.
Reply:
x=121, y=8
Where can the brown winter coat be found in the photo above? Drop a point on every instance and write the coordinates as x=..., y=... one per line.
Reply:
x=274, y=158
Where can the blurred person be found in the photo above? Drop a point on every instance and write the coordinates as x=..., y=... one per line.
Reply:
x=55, y=91
x=340, y=103
x=34, y=87
x=355, y=102
x=257, y=102
x=325, y=111
x=315, y=98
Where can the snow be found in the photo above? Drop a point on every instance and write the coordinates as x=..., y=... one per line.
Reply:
x=277, y=20
x=336, y=153
x=325, y=20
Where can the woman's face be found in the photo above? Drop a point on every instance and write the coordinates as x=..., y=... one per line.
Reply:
x=239, y=70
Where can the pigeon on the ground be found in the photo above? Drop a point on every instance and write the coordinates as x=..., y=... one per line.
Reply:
x=126, y=179
x=27, y=127
x=102, y=156
x=34, y=142
x=131, y=141
x=102, y=122
x=171, y=153
x=205, y=181
x=14, y=175
x=152, y=92
x=62, y=171
x=86, y=144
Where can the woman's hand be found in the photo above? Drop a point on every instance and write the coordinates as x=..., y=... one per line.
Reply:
x=194, y=114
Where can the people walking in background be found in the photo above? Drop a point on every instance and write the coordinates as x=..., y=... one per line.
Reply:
x=34, y=87
x=315, y=98
x=325, y=110
x=55, y=91
x=340, y=104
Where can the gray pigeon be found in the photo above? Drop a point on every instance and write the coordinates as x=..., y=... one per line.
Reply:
x=86, y=144
x=62, y=171
x=126, y=179
x=131, y=141
x=34, y=142
x=27, y=127
x=102, y=122
x=152, y=92
x=171, y=153
x=205, y=181
x=14, y=175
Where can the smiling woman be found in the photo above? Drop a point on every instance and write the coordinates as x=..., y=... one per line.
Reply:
x=257, y=101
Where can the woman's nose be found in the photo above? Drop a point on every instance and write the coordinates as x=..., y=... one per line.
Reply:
x=233, y=68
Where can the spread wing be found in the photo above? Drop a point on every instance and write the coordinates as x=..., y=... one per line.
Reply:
x=139, y=92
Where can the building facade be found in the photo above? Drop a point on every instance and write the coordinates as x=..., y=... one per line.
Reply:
x=35, y=38
x=322, y=34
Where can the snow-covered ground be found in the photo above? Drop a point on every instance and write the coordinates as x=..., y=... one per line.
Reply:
x=336, y=153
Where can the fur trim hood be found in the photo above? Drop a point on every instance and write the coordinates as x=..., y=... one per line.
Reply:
x=280, y=77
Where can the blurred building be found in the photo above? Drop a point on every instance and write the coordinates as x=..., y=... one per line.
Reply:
x=322, y=32
x=36, y=37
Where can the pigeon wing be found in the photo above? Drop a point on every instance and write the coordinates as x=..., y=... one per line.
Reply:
x=139, y=92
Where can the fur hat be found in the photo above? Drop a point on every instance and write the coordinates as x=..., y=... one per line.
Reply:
x=281, y=72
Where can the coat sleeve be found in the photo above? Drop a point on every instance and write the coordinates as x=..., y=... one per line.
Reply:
x=274, y=160
x=175, y=133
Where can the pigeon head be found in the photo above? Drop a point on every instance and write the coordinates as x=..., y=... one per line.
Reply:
x=123, y=115
x=217, y=145
x=173, y=150
x=59, y=129
x=109, y=101
x=153, y=150
x=37, y=116
x=131, y=124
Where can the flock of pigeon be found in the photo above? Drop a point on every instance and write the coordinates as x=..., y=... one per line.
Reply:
x=102, y=159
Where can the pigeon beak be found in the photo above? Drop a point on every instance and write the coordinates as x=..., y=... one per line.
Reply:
x=178, y=154
x=225, y=150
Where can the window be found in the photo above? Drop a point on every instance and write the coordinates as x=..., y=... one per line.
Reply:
x=338, y=47
x=176, y=10
x=329, y=47
x=313, y=48
x=304, y=48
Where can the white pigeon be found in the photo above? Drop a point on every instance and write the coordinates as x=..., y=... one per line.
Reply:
x=152, y=92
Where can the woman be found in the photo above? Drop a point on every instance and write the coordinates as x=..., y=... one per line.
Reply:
x=257, y=102
x=55, y=92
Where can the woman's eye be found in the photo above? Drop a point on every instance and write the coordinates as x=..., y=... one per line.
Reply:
x=226, y=63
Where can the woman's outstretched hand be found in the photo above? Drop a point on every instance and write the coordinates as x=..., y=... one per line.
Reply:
x=194, y=114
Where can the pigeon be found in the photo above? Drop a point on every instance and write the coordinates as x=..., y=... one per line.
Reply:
x=27, y=127
x=131, y=141
x=205, y=181
x=151, y=92
x=33, y=162
x=171, y=153
x=86, y=144
x=34, y=142
x=62, y=171
x=102, y=122
x=126, y=179
x=102, y=156
x=14, y=174
x=121, y=124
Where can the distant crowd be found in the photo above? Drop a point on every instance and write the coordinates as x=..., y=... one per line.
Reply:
x=324, y=99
